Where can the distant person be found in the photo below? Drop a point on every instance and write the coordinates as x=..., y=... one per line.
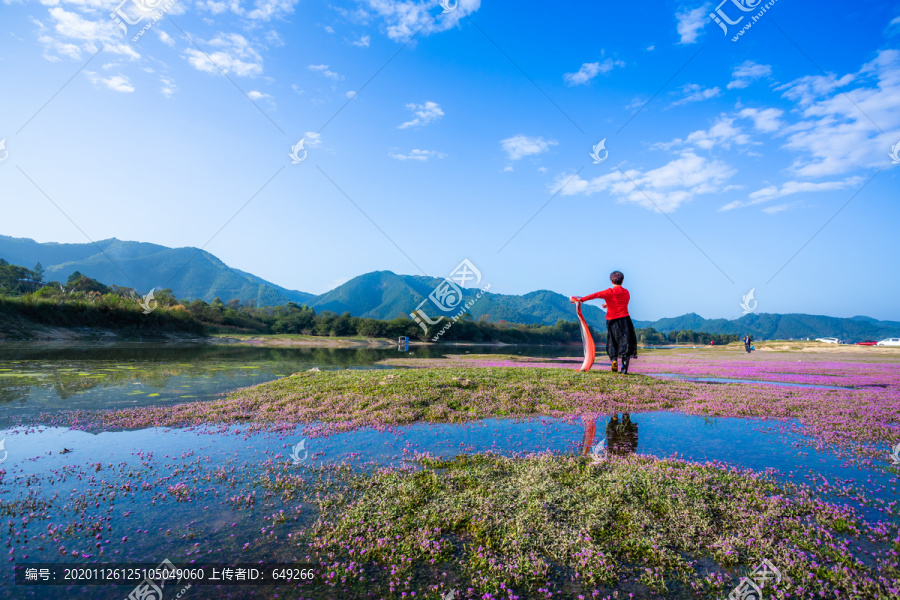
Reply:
x=621, y=340
x=747, y=343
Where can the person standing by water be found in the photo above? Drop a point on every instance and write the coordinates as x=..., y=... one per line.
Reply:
x=621, y=340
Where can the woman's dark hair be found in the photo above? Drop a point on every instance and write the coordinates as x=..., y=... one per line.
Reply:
x=617, y=277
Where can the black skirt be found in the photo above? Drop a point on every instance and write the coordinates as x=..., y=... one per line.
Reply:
x=620, y=338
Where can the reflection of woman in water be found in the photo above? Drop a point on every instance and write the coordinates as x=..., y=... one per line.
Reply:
x=621, y=436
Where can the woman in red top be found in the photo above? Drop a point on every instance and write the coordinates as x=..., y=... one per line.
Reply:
x=621, y=341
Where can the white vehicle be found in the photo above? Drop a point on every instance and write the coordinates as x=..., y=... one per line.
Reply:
x=889, y=342
x=829, y=340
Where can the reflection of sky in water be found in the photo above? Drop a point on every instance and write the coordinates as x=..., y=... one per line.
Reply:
x=750, y=443
x=750, y=381
x=219, y=531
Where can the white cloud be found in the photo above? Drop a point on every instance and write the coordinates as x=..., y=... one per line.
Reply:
x=362, y=42
x=748, y=72
x=71, y=35
x=122, y=50
x=325, y=71
x=263, y=10
x=794, y=187
x=722, y=133
x=312, y=138
x=423, y=114
x=255, y=95
x=234, y=55
x=764, y=120
x=773, y=192
x=651, y=48
x=837, y=131
x=416, y=154
x=403, y=18
x=771, y=210
x=694, y=92
x=590, y=70
x=72, y=25
x=165, y=38
x=350, y=94
x=690, y=22
x=666, y=187
x=168, y=87
x=520, y=146
x=117, y=83
x=328, y=28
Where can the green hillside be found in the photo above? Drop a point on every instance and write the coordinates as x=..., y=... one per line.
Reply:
x=192, y=273
x=386, y=295
x=189, y=272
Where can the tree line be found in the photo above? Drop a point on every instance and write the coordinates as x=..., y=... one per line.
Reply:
x=85, y=302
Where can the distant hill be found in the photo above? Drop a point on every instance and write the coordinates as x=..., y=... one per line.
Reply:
x=191, y=273
x=789, y=326
x=386, y=295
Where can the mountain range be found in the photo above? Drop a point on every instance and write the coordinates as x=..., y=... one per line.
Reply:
x=194, y=273
x=189, y=272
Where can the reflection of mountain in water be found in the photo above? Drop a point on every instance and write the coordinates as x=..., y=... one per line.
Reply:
x=621, y=436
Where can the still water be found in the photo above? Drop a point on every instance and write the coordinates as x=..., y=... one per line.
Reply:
x=46, y=378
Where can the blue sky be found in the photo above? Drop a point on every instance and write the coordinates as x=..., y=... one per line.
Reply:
x=759, y=163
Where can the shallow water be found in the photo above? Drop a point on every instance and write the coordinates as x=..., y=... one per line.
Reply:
x=208, y=528
x=753, y=381
x=164, y=489
x=38, y=378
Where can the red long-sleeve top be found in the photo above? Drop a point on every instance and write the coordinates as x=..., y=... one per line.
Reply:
x=616, y=298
